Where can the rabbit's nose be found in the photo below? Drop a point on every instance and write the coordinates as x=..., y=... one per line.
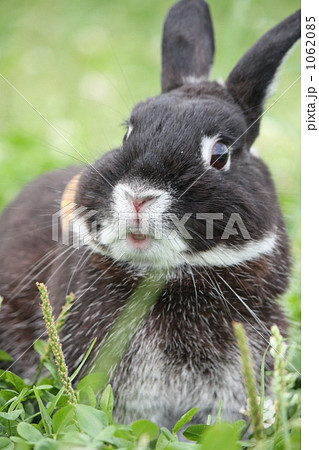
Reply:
x=141, y=203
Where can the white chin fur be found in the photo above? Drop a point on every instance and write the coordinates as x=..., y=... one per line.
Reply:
x=169, y=253
x=164, y=253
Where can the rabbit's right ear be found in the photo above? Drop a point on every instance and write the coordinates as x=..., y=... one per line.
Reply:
x=251, y=78
x=187, y=44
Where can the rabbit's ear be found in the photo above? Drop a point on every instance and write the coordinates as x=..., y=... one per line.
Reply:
x=187, y=44
x=251, y=79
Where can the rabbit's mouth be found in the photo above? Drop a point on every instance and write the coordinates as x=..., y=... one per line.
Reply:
x=139, y=241
x=139, y=246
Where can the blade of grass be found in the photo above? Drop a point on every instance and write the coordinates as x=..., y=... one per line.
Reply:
x=75, y=373
x=250, y=380
x=278, y=351
x=124, y=329
x=219, y=414
x=262, y=384
x=46, y=419
x=55, y=344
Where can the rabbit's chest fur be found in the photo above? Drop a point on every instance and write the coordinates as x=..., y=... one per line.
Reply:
x=167, y=387
x=184, y=354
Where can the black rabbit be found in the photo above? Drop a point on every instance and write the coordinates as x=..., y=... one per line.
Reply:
x=183, y=198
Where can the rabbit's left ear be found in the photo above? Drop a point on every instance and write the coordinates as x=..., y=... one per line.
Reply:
x=250, y=80
x=187, y=44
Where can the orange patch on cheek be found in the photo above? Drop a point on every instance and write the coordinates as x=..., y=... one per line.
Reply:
x=68, y=204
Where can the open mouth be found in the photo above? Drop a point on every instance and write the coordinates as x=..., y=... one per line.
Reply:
x=139, y=241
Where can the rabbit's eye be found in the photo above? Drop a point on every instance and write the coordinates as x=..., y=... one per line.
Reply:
x=219, y=155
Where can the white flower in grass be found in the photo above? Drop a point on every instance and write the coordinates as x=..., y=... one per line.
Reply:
x=269, y=412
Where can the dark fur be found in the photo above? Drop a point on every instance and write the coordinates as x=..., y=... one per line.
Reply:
x=191, y=324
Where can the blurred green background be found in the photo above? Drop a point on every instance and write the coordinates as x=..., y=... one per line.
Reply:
x=84, y=64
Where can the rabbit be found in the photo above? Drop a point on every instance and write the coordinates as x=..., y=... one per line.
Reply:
x=204, y=227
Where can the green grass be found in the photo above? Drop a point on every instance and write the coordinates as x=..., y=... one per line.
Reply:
x=48, y=414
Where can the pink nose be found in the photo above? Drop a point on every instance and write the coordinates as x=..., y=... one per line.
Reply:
x=141, y=202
